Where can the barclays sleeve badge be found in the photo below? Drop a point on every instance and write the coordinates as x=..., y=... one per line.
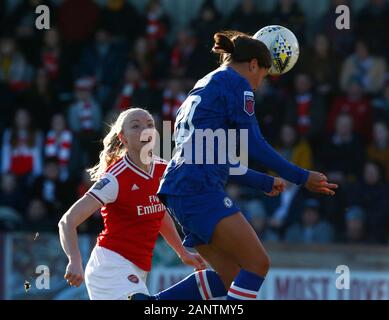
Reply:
x=100, y=184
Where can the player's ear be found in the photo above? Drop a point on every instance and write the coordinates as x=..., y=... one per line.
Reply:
x=121, y=137
x=253, y=66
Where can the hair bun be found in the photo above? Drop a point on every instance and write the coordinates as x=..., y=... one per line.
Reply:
x=223, y=43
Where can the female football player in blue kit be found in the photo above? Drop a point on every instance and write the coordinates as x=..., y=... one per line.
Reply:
x=194, y=192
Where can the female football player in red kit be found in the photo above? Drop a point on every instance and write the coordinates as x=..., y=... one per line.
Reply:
x=127, y=178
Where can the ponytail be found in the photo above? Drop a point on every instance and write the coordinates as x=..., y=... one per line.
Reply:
x=235, y=46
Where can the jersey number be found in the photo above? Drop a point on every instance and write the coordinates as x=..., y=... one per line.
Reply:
x=184, y=127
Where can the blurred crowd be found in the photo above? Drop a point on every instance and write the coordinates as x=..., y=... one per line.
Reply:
x=60, y=87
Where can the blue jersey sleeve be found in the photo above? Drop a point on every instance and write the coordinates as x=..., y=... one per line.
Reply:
x=254, y=179
x=259, y=150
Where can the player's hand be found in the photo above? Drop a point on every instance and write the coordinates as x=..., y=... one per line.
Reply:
x=278, y=187
x=317, y=182
x=74, y=274
x=193, y=259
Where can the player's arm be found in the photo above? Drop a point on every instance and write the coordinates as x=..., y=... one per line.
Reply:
x=169, y=233
x=260, y=150
x=77, y=214
x=270, y=185
x=101, y=193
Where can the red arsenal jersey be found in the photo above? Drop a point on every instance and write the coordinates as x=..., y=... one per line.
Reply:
x=132, y=212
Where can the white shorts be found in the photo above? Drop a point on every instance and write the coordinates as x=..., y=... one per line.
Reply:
x=110, y=276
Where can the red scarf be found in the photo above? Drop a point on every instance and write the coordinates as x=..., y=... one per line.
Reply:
x=58, y=146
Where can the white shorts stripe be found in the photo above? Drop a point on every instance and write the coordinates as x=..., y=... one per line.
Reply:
x=201, y=290
x=207, y=284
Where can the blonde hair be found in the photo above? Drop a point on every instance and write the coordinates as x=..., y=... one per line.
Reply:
x=113, y=149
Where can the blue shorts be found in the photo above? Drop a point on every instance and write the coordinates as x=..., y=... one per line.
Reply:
x=198, y=215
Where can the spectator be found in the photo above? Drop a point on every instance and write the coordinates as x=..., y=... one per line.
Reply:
x=371, y=194
x=173, y=97
x=58, y=144
x=84, y=118
x=306, y=110
x=182, y=53
x=288, y=13
x=21, y=22
x=11, y=193
x=381, y=105
x=77, y=21
x=369, y=25
x=357, y=105
x=22, y=148
x=38, y=218
x=270, y=101
x=311, y=230
x=41, y=99
x=366, y=68
x=15, y=72
x=136, y=91
x=257, y=217
x=294, y=149
x=378, y=150
x=206, y=25
x=122, y=19
x=49, y=188
x=332, y=208
x=342, y=40
x=10, y=219
x=157, y=22
x=343, y=154
x=153, y=63
x=285, y=209
x=52, y=55
x=246, y=18
x=132, y=83
x=322, y=64
x=104, y=60
x=355, y=226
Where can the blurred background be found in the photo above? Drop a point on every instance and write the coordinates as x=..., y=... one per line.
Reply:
x=59, y=89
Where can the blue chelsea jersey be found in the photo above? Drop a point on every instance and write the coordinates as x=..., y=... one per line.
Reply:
x=220, y=101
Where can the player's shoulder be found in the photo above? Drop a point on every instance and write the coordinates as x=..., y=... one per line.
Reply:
x=160, y=162
x=230, y=82
x=116, y=168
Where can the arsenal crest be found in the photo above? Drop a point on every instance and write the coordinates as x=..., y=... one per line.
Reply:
x=249, y=102
x=133, y=278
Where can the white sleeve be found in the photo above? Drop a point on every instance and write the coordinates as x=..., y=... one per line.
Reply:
x=105, y=190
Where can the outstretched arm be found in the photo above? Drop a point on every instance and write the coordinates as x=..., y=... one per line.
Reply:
x=272, y=186
x=68, y=224
x=261, y=151
x=169, y=233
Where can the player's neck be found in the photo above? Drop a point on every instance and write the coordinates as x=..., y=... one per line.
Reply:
x=242, y=70
x=135, y=158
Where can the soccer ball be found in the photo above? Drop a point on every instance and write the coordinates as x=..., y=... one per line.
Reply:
x=283, y=47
